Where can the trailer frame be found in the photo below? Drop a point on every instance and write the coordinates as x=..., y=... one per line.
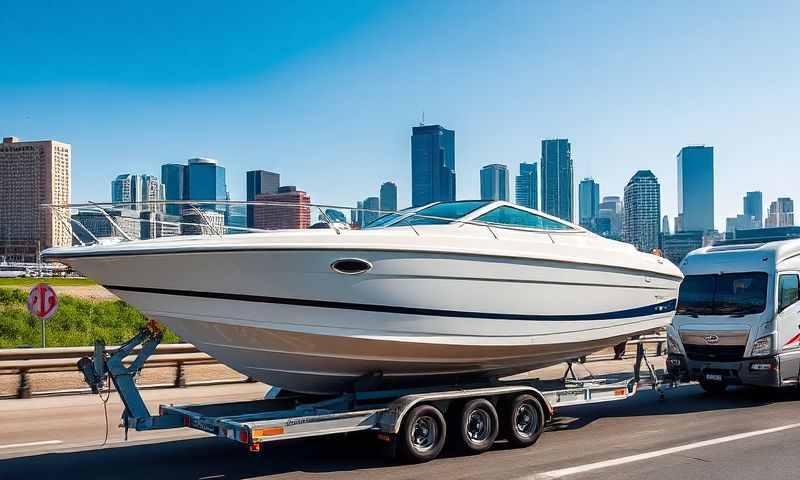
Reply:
x=282, y=415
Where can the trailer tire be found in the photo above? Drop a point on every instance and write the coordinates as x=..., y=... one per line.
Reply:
x=523, y=420
x=478, y=425
x=422, y=434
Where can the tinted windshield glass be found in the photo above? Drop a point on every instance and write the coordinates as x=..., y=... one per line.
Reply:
x=726, y=294
x=519, y=218
x=386, y=219
x=446, y=210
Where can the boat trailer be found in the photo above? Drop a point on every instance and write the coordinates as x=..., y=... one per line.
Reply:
x=282, y=415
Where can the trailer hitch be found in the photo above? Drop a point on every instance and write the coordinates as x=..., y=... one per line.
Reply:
x=102, y=365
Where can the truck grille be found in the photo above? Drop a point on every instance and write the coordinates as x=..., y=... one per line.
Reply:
x=715, y=353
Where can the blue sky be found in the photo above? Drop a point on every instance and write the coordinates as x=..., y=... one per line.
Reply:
x=326, y=93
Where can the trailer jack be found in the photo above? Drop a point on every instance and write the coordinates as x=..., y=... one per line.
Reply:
x=102, y=365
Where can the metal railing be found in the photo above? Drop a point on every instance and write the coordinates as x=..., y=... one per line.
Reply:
x=24, y=362
x=64, y=213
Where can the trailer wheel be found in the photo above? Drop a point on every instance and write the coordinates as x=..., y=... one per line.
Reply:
x=523, y=420
x=478, y=425
x=422, y=434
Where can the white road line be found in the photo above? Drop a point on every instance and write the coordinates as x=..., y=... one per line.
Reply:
x=31, y=444
x=564, y=472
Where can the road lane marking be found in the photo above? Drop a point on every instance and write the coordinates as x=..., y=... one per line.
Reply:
x=31, y=444
x=564, y=472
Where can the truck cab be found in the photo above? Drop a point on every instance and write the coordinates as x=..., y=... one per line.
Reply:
x=737, y=321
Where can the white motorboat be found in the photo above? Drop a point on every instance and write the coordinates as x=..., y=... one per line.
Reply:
x=439, y=294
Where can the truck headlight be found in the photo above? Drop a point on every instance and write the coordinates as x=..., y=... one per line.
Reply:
x=762, y=346
x=673, y=346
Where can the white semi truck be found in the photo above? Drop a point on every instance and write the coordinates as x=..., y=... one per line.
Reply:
x=737, y=320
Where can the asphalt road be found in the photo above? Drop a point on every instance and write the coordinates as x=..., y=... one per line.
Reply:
x=743, y=434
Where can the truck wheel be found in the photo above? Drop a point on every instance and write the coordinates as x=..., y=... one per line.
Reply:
x=422, y=434
x=478, y=425
x=713, y=388
x=523, y=420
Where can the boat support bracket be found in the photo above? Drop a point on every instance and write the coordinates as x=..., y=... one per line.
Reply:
x=104, y=365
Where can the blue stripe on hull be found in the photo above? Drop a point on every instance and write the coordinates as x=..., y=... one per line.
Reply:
x=654, y=309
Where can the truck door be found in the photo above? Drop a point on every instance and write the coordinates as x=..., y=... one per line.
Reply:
x=787, y=321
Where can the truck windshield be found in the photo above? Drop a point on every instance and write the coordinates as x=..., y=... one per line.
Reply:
x=724, y=294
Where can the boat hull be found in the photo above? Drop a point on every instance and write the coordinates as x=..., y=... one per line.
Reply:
x=284, y=317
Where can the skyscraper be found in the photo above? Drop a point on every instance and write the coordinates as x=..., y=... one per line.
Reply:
x=588, y=203
x=152, y=191
x=258, y=182
x=754, y=208
x=276, y=217
x=642, y=211
x=205, y=180
x=433, y=164
x=373, y=204
x=388, y=197
x=494, y=182
x=527, y=187
x=665, y=225
x=696, y=188
x=781, y=213
x=173, y=175
x=133, y=192
x=557, y=178
x=125, y=190
x=611, y=208
x=32, y=173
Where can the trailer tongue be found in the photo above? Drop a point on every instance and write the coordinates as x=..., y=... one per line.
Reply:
x=413, y=422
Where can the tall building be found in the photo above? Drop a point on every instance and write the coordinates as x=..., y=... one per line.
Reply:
x=173, y=175
x=611, y=208
x=355, y=214
x=696, y=188
x=276, y=217
x=205, y=180
x=494, y=182
x=557, y=181
x=642, y=211
x=258, y=182
x=527, y=186
x=133, y=192
x=754, y=208
x=371, y=207
x=388, y=197
x=126, y=190
x=588, y=203
x=665, y=225
x=201, y=179
x=781, y=213
x=433, y=164
x=31, y=174
x=153, y=191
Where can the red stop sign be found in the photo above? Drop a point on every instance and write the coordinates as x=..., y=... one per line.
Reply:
x=42, y=301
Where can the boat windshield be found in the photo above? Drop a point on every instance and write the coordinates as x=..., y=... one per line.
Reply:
x=725, y=294
x=388, y=218
x=451, y=210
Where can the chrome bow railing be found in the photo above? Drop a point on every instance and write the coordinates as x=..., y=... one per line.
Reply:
x=216, y=218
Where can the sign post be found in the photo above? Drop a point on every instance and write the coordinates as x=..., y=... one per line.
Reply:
x=43, y=303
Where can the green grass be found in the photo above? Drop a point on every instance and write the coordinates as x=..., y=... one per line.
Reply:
x=29, y=282
x=78, y=322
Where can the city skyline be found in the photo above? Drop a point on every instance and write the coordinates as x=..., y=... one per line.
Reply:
x=246, y=109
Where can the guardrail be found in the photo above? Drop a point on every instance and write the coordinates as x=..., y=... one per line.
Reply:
x=26, y=361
